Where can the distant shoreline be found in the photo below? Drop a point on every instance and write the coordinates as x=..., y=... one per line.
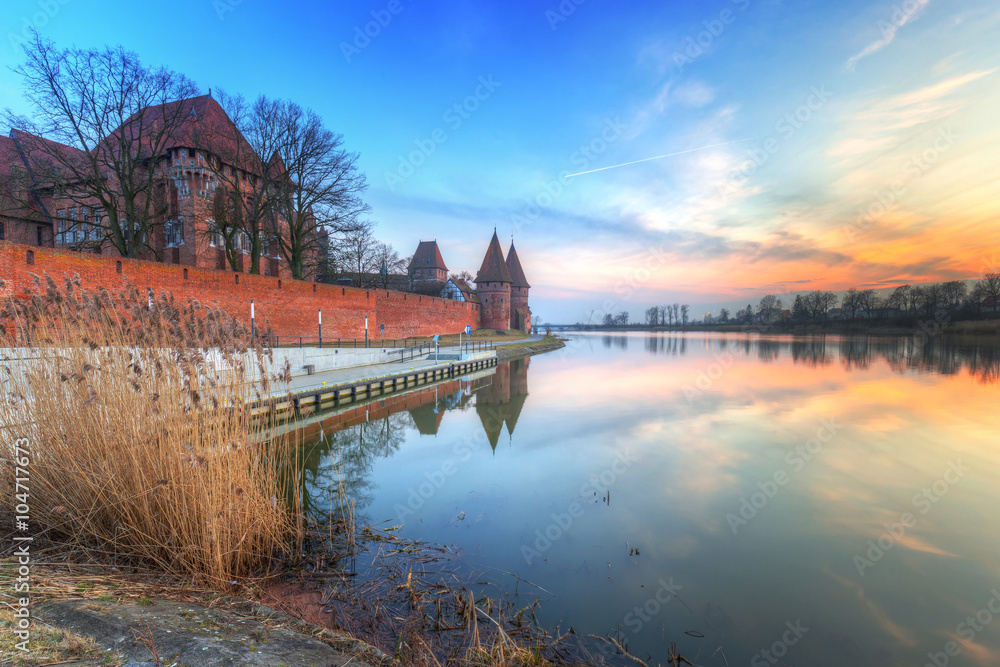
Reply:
x=900, y=327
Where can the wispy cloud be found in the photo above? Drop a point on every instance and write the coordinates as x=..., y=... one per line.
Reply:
x=899, y=18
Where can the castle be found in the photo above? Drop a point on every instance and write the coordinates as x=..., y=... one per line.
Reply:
x=201, y=159
x=201, y=168
x=501, y=286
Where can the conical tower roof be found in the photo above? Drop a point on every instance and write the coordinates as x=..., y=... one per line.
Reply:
x=517, y=278
x=494, y=269
x=492, y=418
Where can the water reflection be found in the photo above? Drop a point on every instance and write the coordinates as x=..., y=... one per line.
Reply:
x=352, y=439
x=942, y=355
x=708, y=423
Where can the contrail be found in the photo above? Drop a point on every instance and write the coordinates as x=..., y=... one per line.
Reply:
x=659, y=157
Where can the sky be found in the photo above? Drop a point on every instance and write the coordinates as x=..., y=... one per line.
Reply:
x=810, y=145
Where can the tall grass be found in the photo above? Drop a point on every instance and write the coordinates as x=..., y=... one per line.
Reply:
x=141, y=452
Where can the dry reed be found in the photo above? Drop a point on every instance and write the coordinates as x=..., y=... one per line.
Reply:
x=141, y=452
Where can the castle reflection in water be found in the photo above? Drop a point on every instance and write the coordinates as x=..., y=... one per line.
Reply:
x=339, y=446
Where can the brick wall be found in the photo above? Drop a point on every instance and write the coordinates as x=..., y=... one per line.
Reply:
x=290, y=306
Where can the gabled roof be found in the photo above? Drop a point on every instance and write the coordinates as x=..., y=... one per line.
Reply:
x=428, y=256
x=494, y=269
x=469, y=293
x=517, y=278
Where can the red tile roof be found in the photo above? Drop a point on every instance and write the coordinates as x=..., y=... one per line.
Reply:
x=517, y=278
x=494, y=269
x=428, y=256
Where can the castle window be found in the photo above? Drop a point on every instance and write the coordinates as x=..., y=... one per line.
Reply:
x=173, y=233
x=214, y=234
x=2, y=232
x=190, y=152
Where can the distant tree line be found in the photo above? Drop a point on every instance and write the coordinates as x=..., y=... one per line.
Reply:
x=953, y=298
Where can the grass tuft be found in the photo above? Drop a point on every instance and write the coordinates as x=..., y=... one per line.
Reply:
x=140, y=451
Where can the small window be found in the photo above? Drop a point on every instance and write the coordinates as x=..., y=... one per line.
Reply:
x=118, y=267
x=30, y=257
x=190, y=152
x=185, y=274
x=237, y=279
x=3, y=234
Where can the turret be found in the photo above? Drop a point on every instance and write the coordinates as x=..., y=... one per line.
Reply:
x=520, y=313
x=493, y=287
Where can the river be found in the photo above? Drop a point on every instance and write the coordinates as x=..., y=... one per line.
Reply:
x=757, y=500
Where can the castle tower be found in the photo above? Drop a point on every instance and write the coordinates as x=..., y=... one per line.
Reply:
x=427, y=265
x=520, y=314
x=493, y=287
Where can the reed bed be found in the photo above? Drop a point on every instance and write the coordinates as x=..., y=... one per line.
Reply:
x=141, y=451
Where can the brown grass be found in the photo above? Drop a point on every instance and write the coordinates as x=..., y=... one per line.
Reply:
x=139, y=449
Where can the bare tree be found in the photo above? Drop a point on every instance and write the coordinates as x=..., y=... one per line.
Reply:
x=321, y=187
x=724, y=315
x=899, y=299
x=387, y=262
x=247, y=166
x=869, y=301
x=461, y=275
x=819, y=303
x=991, y=288
x=357, y=253
x=953, y=293
x=118, y=118
x=684, y=313
x=850, y=303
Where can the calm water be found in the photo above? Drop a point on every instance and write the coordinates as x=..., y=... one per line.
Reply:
x=831, y=501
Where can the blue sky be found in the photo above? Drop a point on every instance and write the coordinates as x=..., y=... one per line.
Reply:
x=852, y=143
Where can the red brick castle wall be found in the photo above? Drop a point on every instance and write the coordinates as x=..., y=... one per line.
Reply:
x=289, y=306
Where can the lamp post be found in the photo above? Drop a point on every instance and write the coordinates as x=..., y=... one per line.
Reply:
x=321, y=328
x=366, y=332
x=253, y=326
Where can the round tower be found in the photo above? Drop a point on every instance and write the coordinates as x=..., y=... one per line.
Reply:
x=520, y=313
x=493, y=288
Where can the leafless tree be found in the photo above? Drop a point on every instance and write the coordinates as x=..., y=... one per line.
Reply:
x=357, y=252
x=991, y=288
x=684, y=313
x=461, y=275
x=819, y=303
x=724, y=315
x=248, y=167
x=387, y=262
x=899, y=299
x=953, y=293
x=322, y=187
x=869, y=301
x=118, y=117
x=849, y=305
